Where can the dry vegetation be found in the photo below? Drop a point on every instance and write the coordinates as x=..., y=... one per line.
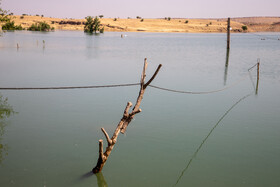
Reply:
x=254, y=24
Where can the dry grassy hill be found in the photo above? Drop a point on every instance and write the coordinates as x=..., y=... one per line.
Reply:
x=254, y=24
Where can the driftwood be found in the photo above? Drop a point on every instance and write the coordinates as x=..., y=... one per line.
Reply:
x=126, y=119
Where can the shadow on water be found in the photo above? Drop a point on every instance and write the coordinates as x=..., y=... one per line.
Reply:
x=205, y=139
x=101, y=182
x=5, y=111
x=226, y=67
x=86, y=175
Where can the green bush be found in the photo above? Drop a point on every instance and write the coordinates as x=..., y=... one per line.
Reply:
x=142, y=20
x=244, y=28
x=93, y=25
x=187, y=21
x=41, y=26
x=10, y=26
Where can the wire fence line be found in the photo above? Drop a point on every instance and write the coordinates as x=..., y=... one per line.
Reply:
x=207, y=92
x=131, y=84
x=70, y=87
x=201, y=92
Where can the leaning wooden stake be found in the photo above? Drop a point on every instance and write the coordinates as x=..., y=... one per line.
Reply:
x=258, y=76
x=126, y=119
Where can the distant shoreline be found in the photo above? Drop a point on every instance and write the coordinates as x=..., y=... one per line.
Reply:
x=192, y=25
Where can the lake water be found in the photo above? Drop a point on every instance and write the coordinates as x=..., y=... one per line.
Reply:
x=226, y=138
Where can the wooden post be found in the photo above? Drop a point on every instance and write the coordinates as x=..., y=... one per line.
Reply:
x=228, y=34
x=258, y=76
x=126, y=119
x=17, y=46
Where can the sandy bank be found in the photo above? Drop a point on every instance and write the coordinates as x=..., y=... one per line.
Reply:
x=255, y=24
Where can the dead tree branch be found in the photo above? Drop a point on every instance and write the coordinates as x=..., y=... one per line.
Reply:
x=126, y=119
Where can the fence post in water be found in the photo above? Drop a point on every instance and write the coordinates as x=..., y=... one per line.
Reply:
x=258, y=76
x=228, y=33
x=126, y=119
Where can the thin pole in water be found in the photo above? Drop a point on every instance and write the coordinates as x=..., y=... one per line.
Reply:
x=258, y=76
x=228, y=33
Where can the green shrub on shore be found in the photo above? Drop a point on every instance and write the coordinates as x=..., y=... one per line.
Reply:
x=41, y=26
x=10, y=26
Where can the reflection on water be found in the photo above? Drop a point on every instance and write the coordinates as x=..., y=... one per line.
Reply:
x=101, y=182
x=204, y=140
x=226, y=67
x=92, y=43
x=5, y=111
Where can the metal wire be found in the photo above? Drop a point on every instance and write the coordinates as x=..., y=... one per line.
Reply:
x=70, y=87
x=133, y=84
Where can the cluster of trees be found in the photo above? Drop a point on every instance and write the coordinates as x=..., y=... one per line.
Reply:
x=93, y=25
x=41, y=26
x=8, y=24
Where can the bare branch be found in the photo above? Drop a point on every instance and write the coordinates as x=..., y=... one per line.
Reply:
x=152, y=78
x=126, y=119
x=135, y=112
x=129, y=104
x=107, y=136
x=143, y=76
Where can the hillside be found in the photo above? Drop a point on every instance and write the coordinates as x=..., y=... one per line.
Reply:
x=254, y=24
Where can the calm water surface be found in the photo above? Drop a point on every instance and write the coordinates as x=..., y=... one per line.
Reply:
x=228, y=138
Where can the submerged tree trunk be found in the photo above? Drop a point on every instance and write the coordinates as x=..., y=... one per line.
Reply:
x=126, y=119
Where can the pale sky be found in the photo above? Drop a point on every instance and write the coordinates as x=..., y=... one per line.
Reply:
x=144, y=8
